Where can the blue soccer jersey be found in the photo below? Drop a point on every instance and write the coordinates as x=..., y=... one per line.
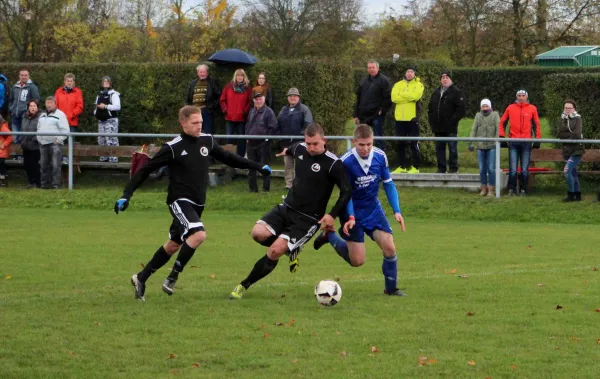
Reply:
x=365, y=174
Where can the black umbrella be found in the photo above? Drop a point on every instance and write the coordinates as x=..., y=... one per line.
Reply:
x=232, y=56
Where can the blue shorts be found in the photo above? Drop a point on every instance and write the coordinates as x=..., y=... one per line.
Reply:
x=368, y=224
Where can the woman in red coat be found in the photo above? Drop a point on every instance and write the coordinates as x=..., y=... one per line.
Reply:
x=236, y=100
x=5, y=141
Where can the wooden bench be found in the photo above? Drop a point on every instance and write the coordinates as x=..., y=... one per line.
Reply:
x=556, y=156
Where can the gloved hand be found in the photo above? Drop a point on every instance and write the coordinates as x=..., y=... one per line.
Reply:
x=265, y=170
x=121, y=205
x=471, y=147
x=536, y=145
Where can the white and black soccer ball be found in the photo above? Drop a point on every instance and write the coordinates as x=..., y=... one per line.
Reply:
x=328, y=293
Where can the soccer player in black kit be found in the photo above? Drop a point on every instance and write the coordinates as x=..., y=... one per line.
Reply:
x=288, y=226
x=188, y=158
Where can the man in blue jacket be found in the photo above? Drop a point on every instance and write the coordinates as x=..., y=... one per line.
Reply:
x=3, y=99
x=261, y=122
x=292, y=120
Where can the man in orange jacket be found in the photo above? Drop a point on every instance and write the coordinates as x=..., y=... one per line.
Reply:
x=69, y=99
x=524, y=123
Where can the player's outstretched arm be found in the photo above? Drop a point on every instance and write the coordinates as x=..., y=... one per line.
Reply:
x=162, y=158
x=234, y=160
x=393, y=198
x=351, y=219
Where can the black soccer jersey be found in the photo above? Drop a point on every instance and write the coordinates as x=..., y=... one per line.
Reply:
x=315, y=177
x=188, y=159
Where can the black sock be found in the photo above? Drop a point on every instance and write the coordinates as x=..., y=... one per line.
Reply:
x=269, y=241
x=262, y=268
x=185, y=254
x=159, y=259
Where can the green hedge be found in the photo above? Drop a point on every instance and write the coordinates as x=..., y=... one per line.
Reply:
x=500, y=84
x=151, y=94
x=585, y=90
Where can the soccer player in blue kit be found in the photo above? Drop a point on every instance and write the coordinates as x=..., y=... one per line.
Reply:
x=366, y=166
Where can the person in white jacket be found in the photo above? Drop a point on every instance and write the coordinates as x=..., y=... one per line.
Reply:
x=53, y=120
x=108, y=106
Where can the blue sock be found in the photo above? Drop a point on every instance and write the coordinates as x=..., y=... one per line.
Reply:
x=390, y=272
x=339, y=246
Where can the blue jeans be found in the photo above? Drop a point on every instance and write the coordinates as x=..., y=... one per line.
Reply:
x=73, y=129
x=237, y=128
x=208, y=121
x=377, y=125
x=571, y=173
x=487, y=166
x=50, y=160
x=16, y=127
x=518, y=151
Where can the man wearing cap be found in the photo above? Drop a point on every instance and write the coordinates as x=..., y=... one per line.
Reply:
x=446, y=108
x=261, y=121
x=524, y=122
x=292, y=119
x=407, y=94
x=108, y=105
x=373, y=100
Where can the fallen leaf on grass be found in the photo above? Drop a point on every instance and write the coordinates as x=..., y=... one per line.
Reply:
x=195, y=365
x=529, y=246
x=453, y=271
x=597, y=309
x=278, y=323
x=212, y=276
x=172, y=356
x=337, y=278
x=598, y=340
x=174, y=372
x=294, y=361
x=514, y=367
x=559, y=307
x=72, y=353
x=338, y=333
x=471, y=362
x=195, y=266
x=143, y=265
x=7, y=277
x=463, y=276
x=267, y=335
x=594, y=269
x=282, y=295
x=374, y=349
x=470, y=314
x=575, y=338
x=540, y=285
x=292, y=321
x=585, y=282
x=315, y=334
x=97, y=323
x=344, y=354
x=424, y=361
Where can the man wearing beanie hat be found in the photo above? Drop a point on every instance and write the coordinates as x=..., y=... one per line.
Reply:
x=446, y=108
x=108, y=105
x=524, y=122
x=407, y=94
x=373, y=101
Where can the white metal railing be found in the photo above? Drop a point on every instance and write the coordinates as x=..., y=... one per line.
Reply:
x=348, y=139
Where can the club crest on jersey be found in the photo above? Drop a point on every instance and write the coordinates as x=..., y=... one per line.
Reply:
x=315, y=167
x=204, y=151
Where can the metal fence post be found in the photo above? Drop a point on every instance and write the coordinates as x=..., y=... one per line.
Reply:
x=348, y=144
x=498, y=172
x=70, y=162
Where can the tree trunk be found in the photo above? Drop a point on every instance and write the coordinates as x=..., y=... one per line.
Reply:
x=517, y=32
x=542, y=25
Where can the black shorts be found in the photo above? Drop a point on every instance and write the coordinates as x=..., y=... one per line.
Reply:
x=186, y=220
x=286, y=223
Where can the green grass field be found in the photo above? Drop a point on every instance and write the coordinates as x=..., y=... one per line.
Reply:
x=67, y=308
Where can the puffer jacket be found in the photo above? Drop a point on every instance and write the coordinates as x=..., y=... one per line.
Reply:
x=53, y=122
x=446, y=108
x=485, y=126
x=5, y=140
x=30, y=124
x=571, y=128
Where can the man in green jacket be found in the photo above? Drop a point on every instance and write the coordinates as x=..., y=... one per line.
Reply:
x=407, y=94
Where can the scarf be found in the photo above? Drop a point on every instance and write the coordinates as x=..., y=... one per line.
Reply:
x=240, y=87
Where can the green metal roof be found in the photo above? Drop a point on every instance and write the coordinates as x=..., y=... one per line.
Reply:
x=566, y=52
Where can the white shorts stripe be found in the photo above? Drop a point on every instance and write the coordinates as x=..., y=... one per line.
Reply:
x=301, y=241
x=269, y=228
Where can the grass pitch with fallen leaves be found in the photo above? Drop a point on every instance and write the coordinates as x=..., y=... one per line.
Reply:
x=485, y=300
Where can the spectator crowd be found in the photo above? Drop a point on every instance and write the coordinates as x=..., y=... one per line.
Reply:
x=248, y=109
